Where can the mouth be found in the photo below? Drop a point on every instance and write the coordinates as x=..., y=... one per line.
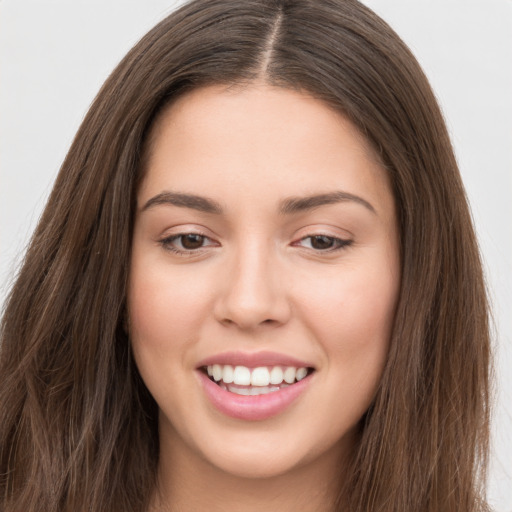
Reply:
x=261, y=380
x=255, y=386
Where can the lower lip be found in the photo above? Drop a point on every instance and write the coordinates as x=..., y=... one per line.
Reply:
x=252, y=408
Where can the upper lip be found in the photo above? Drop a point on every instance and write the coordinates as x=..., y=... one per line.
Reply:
x=254, y=360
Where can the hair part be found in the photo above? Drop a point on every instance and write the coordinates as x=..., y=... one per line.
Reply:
x=79, y=426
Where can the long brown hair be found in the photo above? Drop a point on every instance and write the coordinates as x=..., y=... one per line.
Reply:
x=78, y=429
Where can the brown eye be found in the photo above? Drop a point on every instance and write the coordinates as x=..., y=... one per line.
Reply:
x=186, y=243
x=321, y=242
x=192, y=241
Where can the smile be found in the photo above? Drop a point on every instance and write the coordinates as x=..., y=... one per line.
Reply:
x=256, y=390
x=262, y=380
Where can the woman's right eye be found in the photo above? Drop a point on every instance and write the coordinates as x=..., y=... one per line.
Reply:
x=186, y=243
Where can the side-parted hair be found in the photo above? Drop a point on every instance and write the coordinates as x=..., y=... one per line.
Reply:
x=78, y=427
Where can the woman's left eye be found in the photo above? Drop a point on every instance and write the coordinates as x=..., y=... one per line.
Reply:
x=186, y=242
x=323, y=243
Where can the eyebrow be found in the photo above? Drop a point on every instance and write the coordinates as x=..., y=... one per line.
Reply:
x=288, y=206
x=200, y=203
x=301, y=204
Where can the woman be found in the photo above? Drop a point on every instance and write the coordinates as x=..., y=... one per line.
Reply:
x=262, y=200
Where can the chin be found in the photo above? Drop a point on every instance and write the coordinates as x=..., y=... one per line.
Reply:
x=263, y=464
x=271, y=454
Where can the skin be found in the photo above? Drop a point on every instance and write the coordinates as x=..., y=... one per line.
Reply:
x=259, y=282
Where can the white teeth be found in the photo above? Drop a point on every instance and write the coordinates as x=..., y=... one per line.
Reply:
x=301, y=373
x=242, y=376
x=260, y=377
x=217, y=372
x=289, y=375
x=252, y=391
x=276, y=375
x=228, y=374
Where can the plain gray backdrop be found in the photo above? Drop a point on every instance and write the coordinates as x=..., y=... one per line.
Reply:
x=55, y=54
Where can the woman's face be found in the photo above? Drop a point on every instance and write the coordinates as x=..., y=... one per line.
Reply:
x=265, y=251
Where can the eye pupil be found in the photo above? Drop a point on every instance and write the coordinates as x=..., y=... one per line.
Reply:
x=192, y=241
x=321, y=242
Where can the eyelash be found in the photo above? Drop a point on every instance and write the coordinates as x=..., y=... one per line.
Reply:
x=167, y=242
x=339, y=243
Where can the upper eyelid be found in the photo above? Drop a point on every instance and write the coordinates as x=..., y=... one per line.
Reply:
x=324, y=235
x=343, y=242
x=313, y=229
x=185, y=229
x=203, y=234
x=310, y=233
x=185, y=233
x=200, y=231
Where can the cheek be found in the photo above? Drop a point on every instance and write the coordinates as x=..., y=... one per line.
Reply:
x=165, y=304
x=351, y=314
x=357, y=304
x=167, y=308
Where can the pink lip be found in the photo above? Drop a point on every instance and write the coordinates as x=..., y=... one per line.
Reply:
x=254, y=360
x=252, y=408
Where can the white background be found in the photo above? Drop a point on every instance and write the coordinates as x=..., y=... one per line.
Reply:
x=55, y=54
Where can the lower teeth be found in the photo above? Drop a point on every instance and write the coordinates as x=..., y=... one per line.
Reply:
x=251, y=391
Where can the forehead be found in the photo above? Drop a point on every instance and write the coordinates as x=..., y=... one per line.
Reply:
x=257, y=139
x=194, y=109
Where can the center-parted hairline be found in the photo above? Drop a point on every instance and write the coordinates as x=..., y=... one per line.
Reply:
x=269, y=45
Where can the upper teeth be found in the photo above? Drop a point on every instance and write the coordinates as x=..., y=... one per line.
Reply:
x=261, y=376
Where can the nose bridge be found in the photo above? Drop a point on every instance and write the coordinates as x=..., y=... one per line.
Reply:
x=253, y=292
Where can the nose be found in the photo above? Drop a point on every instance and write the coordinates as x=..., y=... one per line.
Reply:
x=253, y=292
